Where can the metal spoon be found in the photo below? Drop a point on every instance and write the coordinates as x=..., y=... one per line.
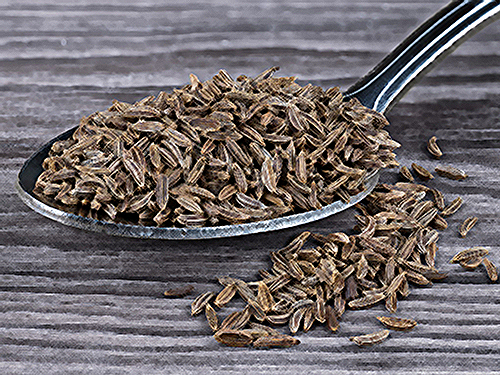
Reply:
x=380, y=89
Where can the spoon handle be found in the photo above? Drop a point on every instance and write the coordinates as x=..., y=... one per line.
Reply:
x=435, y=39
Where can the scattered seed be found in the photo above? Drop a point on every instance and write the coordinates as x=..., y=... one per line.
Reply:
x=277, y=341
x=399, y=324
x=179, y=292
x=370, y=339
x=212, y=319
x=317, y=276
x=405, y=172
x=467, y=225
x=433, y=148
x=237, y=338
x=450, y=172
x=200, y=302
x=470, y=254
x=452, y=207
x=491, y=269
x=421, y=172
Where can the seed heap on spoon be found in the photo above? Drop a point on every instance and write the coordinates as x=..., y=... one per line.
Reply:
x=218, y=152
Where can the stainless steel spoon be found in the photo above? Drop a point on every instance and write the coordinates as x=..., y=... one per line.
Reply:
x=380, y=89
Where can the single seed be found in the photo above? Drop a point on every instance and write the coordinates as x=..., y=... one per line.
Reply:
x=450, y=172
x=433, y=148
x=367, y=301
x=452, y=207
x=471, y=263
x=235, y=338
x=399, y=324
x=276, y=341
x=491, y=269
x=200, y=302
x=405, y=172
x=212, y=319
x=225, y=295
x=467, y=225
x=178, y=292
x=470, y=254
x=422, y=172
x=370, y=339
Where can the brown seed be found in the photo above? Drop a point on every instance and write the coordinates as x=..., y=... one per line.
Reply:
x=438, y=198
x=450, y=172
x=472, y=263
x=309, y=318
x=231, y=215
x=257, y=310
x=190, y=204
x=433, y=148
x=439, y=223
x=278, y=319
x=133, y=160
x=269, y=176
x=362, y=267
x=404, y=289
x=417, y=278
x=239, y=178
x=177, y=137
x=300, y=167
x=161, y=191
x=430, y=256
x=405, y=172
x=227, y=192
x=264, y=297
x=276, y=341
x=370, y=339
x=398, y=324
x=263, y=330
x=395, y=284
x=249, y=202
x=470, y=254
x=236, y=320
x=422, y=172
x=200, y=302
x=491, y=269
x=238, y=153
x=235, y=338
x=331, y=319
x=452, y=207
x=225, y=295
x=467, y=225
x=366, y=301
x=391, y=303
x=296, y=319
x=211, y=316
x=244, y=290
x=196, y=172
x=294, y=118
x=178, y=292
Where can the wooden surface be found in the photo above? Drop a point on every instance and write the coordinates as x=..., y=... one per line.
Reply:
x=78, y=302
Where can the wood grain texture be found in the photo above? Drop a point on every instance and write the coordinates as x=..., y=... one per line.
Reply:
x=74, y=302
